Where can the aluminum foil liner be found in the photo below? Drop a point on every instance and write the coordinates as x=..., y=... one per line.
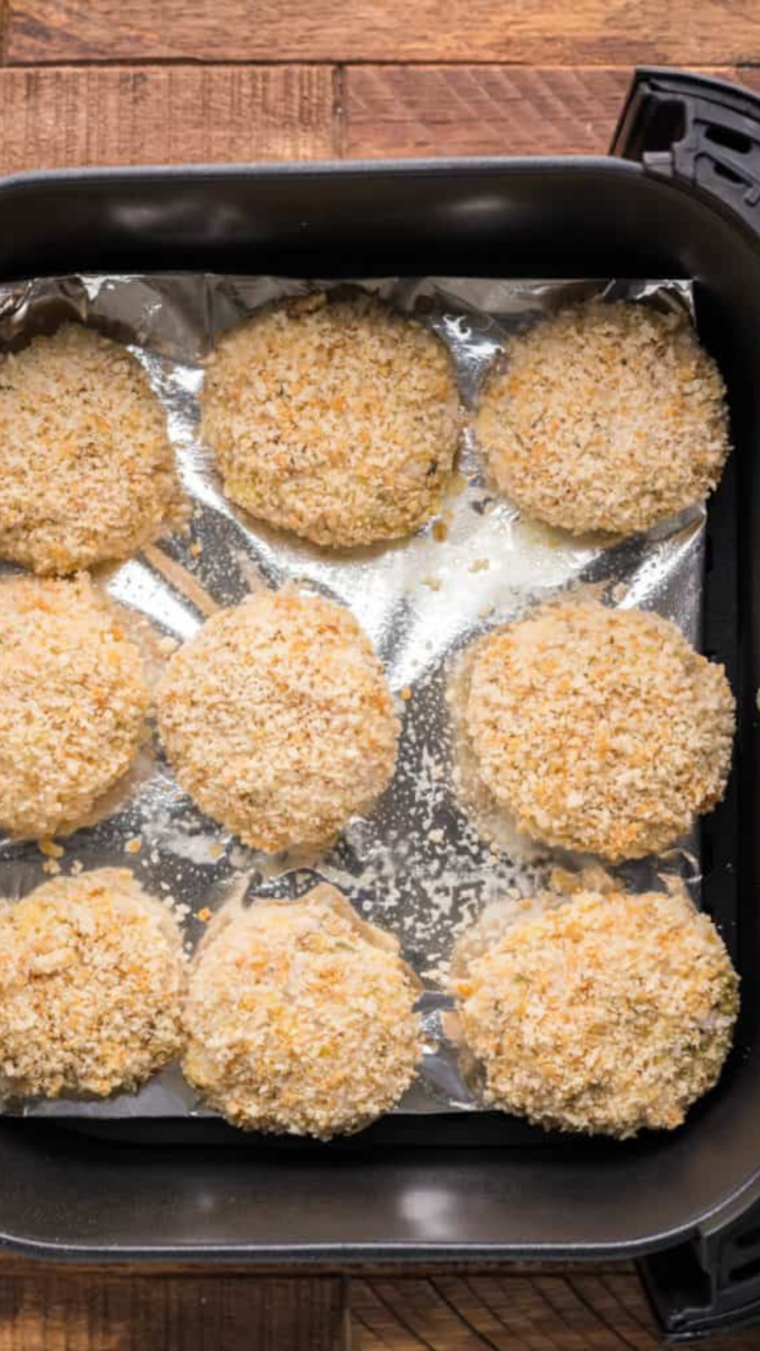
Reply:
x=418, y=865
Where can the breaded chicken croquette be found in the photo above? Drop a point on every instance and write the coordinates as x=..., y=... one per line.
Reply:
x=278, y=720
x=334, y=417
x=300, y=1018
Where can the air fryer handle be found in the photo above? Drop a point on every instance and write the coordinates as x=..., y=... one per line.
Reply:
x=709, y=1284
x=704, y=134
x=696, y=130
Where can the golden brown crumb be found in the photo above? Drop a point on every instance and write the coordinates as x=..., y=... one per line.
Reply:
x=278, y=719
x=300, y=1018
x=72, y=703
x=50, y=848
x=599, y=730
x=608, y=1014
x=134, y=845
x=87, y=470
x=336, y=420
x=91, y=974
x=605, y=417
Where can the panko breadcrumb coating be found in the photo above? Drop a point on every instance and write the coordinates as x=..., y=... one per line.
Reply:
x=278, y=720
x=86, y=467
x=599, y=730
x=73, y=701
x=300, y=1018
x=605, y=417
x=607, y=1015
x=91, y=976
x=336, y=418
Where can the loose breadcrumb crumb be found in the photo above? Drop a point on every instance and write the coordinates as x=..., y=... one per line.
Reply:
x=335, y=417
x=610, y=1014
x=278, y=720
x=600, y=730
x=73, y=701
x=87, y=470
x=50, y=848
x=605, y=417
x=91, y=974
x=300, y=1018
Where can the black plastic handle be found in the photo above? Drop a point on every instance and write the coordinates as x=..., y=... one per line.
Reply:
x=704, y=134
x=708, y=1285
x=699, y=131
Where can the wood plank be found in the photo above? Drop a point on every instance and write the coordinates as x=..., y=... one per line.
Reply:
x=482, y=110
x=574, y=1311
x=59, y=117
x=55, y=118
x=606, y=32
x=751, y=77
x=60, y=1309
x=44, y=1307
x=47, y=1307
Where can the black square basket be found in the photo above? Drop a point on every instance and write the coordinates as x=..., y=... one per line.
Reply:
x=678, y=196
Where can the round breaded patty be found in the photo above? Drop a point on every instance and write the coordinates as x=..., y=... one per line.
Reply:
x=278, y=720
x=87, y=471
x=334, y=418
x=91, y=976
x=73, y=701
x=607, y=1015
x=605, y=417
x=599, y=730
x=300, y=1018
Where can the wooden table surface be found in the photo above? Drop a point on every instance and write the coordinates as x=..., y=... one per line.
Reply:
x=87, y=82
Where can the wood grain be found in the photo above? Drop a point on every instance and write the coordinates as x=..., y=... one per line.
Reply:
x=60, y=1309
x=551, y=1312
x=550, y=32
x=750, y=77
x=59, y=117
x=44, y=1307
x=71, y=117
x=484, y=110
x=481, y=110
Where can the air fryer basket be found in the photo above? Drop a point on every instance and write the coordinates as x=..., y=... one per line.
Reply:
x=682, y=198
